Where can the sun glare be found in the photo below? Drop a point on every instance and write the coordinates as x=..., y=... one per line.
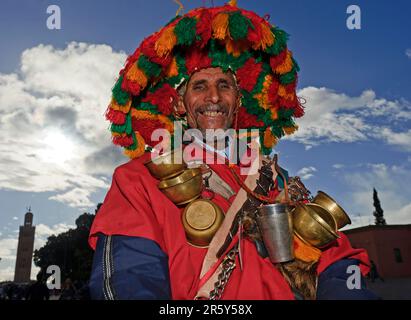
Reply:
x=58, y=147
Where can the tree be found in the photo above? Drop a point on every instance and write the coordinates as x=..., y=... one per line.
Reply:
x=378, y=212
x=69, y=250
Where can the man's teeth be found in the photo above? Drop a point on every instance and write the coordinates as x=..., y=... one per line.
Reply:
x=213, y=113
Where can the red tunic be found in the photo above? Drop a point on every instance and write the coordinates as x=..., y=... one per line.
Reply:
x=134, y=206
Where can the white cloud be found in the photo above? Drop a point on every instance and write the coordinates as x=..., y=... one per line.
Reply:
x=338, y=166
x=408, y=53
x=48, y=121
x=15, y=218
x=306, y=173
x=391, y=183
x=75, y=198
x=337, y=117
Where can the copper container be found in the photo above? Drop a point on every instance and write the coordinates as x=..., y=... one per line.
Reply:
x=166, y=165
x=183, y=188
x=201, y=219
x=314, y=225
x=328, y=203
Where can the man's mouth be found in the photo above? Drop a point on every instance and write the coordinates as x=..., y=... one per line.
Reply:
x=212, y=111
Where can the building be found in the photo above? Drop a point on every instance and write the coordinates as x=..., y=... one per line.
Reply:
x=389, y=246
x=25, y=250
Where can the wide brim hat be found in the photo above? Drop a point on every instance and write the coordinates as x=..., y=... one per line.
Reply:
x=227, y=37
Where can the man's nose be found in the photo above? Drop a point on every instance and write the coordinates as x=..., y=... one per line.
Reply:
x=213, y=94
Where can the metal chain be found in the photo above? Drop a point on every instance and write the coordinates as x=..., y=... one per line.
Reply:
x=228, y=265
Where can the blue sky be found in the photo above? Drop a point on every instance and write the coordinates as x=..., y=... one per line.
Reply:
x=356, y=133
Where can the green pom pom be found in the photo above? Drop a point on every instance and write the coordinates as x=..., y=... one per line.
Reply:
x=280, y=42
x=185, y=31
x=134, y=145
x=288, y=77
x=148, y=107
x=220, y=57
x=238, y=25
x=119, y=95
x=151, y=69
x=124, y=128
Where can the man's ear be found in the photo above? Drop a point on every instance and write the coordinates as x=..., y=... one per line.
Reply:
x=179, y=107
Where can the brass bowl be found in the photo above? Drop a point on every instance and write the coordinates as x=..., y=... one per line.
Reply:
x=183, y=188
x=328, y=203
x=163, y=166
x=314, y=225
x=201, y=220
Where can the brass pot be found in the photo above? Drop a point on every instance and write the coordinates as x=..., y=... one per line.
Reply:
x=164, y=166
x=201, y=220
x=314, y=225
x=328, y=203
x=183, y=188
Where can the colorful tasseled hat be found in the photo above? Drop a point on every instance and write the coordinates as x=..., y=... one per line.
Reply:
x=227, y=37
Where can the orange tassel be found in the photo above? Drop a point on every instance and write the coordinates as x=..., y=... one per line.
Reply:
x=282, y=92
x=269, y=139
x=304, y=251
x=286, y=66
x=172, y=69
x=166, y=42
x=220, y=26
x=136, y=75
x=274, y=114
x=115, y=106
x=236, y=48
x=290, y=130
x=232, y=3
x=262, y=97
x=267, y=36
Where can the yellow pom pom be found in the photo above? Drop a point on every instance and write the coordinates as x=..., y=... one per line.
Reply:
x=137, y=75
x=220, y=26
x=166, y=42
x=286, y=66
x=118, y=107
x=290, y=130
x=269, y=139
x=232, y=3
x=172, y=69
x=267, y=36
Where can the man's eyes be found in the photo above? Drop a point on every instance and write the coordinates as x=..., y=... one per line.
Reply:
x=222, y=85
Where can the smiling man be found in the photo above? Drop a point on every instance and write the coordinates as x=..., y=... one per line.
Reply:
x=211, y=100
x=213, y=68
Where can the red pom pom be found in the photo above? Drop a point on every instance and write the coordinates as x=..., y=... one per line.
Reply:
x=247, y=75
x=246, y=120
x=273, y=91
x=131, y=87
x=197, y=59
x=148, y=49
x=146, y=128
x=203, y=27
x=115, y=116
x=163, y=98
x=275, y=61
x=125, y=141
x=254, y=34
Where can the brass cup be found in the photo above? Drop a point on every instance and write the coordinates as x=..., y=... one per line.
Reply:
x=314, y=225
x=328, y=203
x=163, y=166
x=201, y=220
x=183, y=188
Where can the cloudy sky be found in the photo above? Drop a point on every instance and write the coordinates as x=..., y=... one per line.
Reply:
x=55, y=151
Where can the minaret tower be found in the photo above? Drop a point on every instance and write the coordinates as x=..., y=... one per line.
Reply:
x=25, y=249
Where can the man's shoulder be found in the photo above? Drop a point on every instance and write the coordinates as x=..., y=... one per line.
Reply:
x=133, y=167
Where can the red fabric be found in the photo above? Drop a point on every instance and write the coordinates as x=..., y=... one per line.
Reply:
x=134, y=206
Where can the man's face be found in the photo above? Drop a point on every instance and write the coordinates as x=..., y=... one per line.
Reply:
x=211, y=99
